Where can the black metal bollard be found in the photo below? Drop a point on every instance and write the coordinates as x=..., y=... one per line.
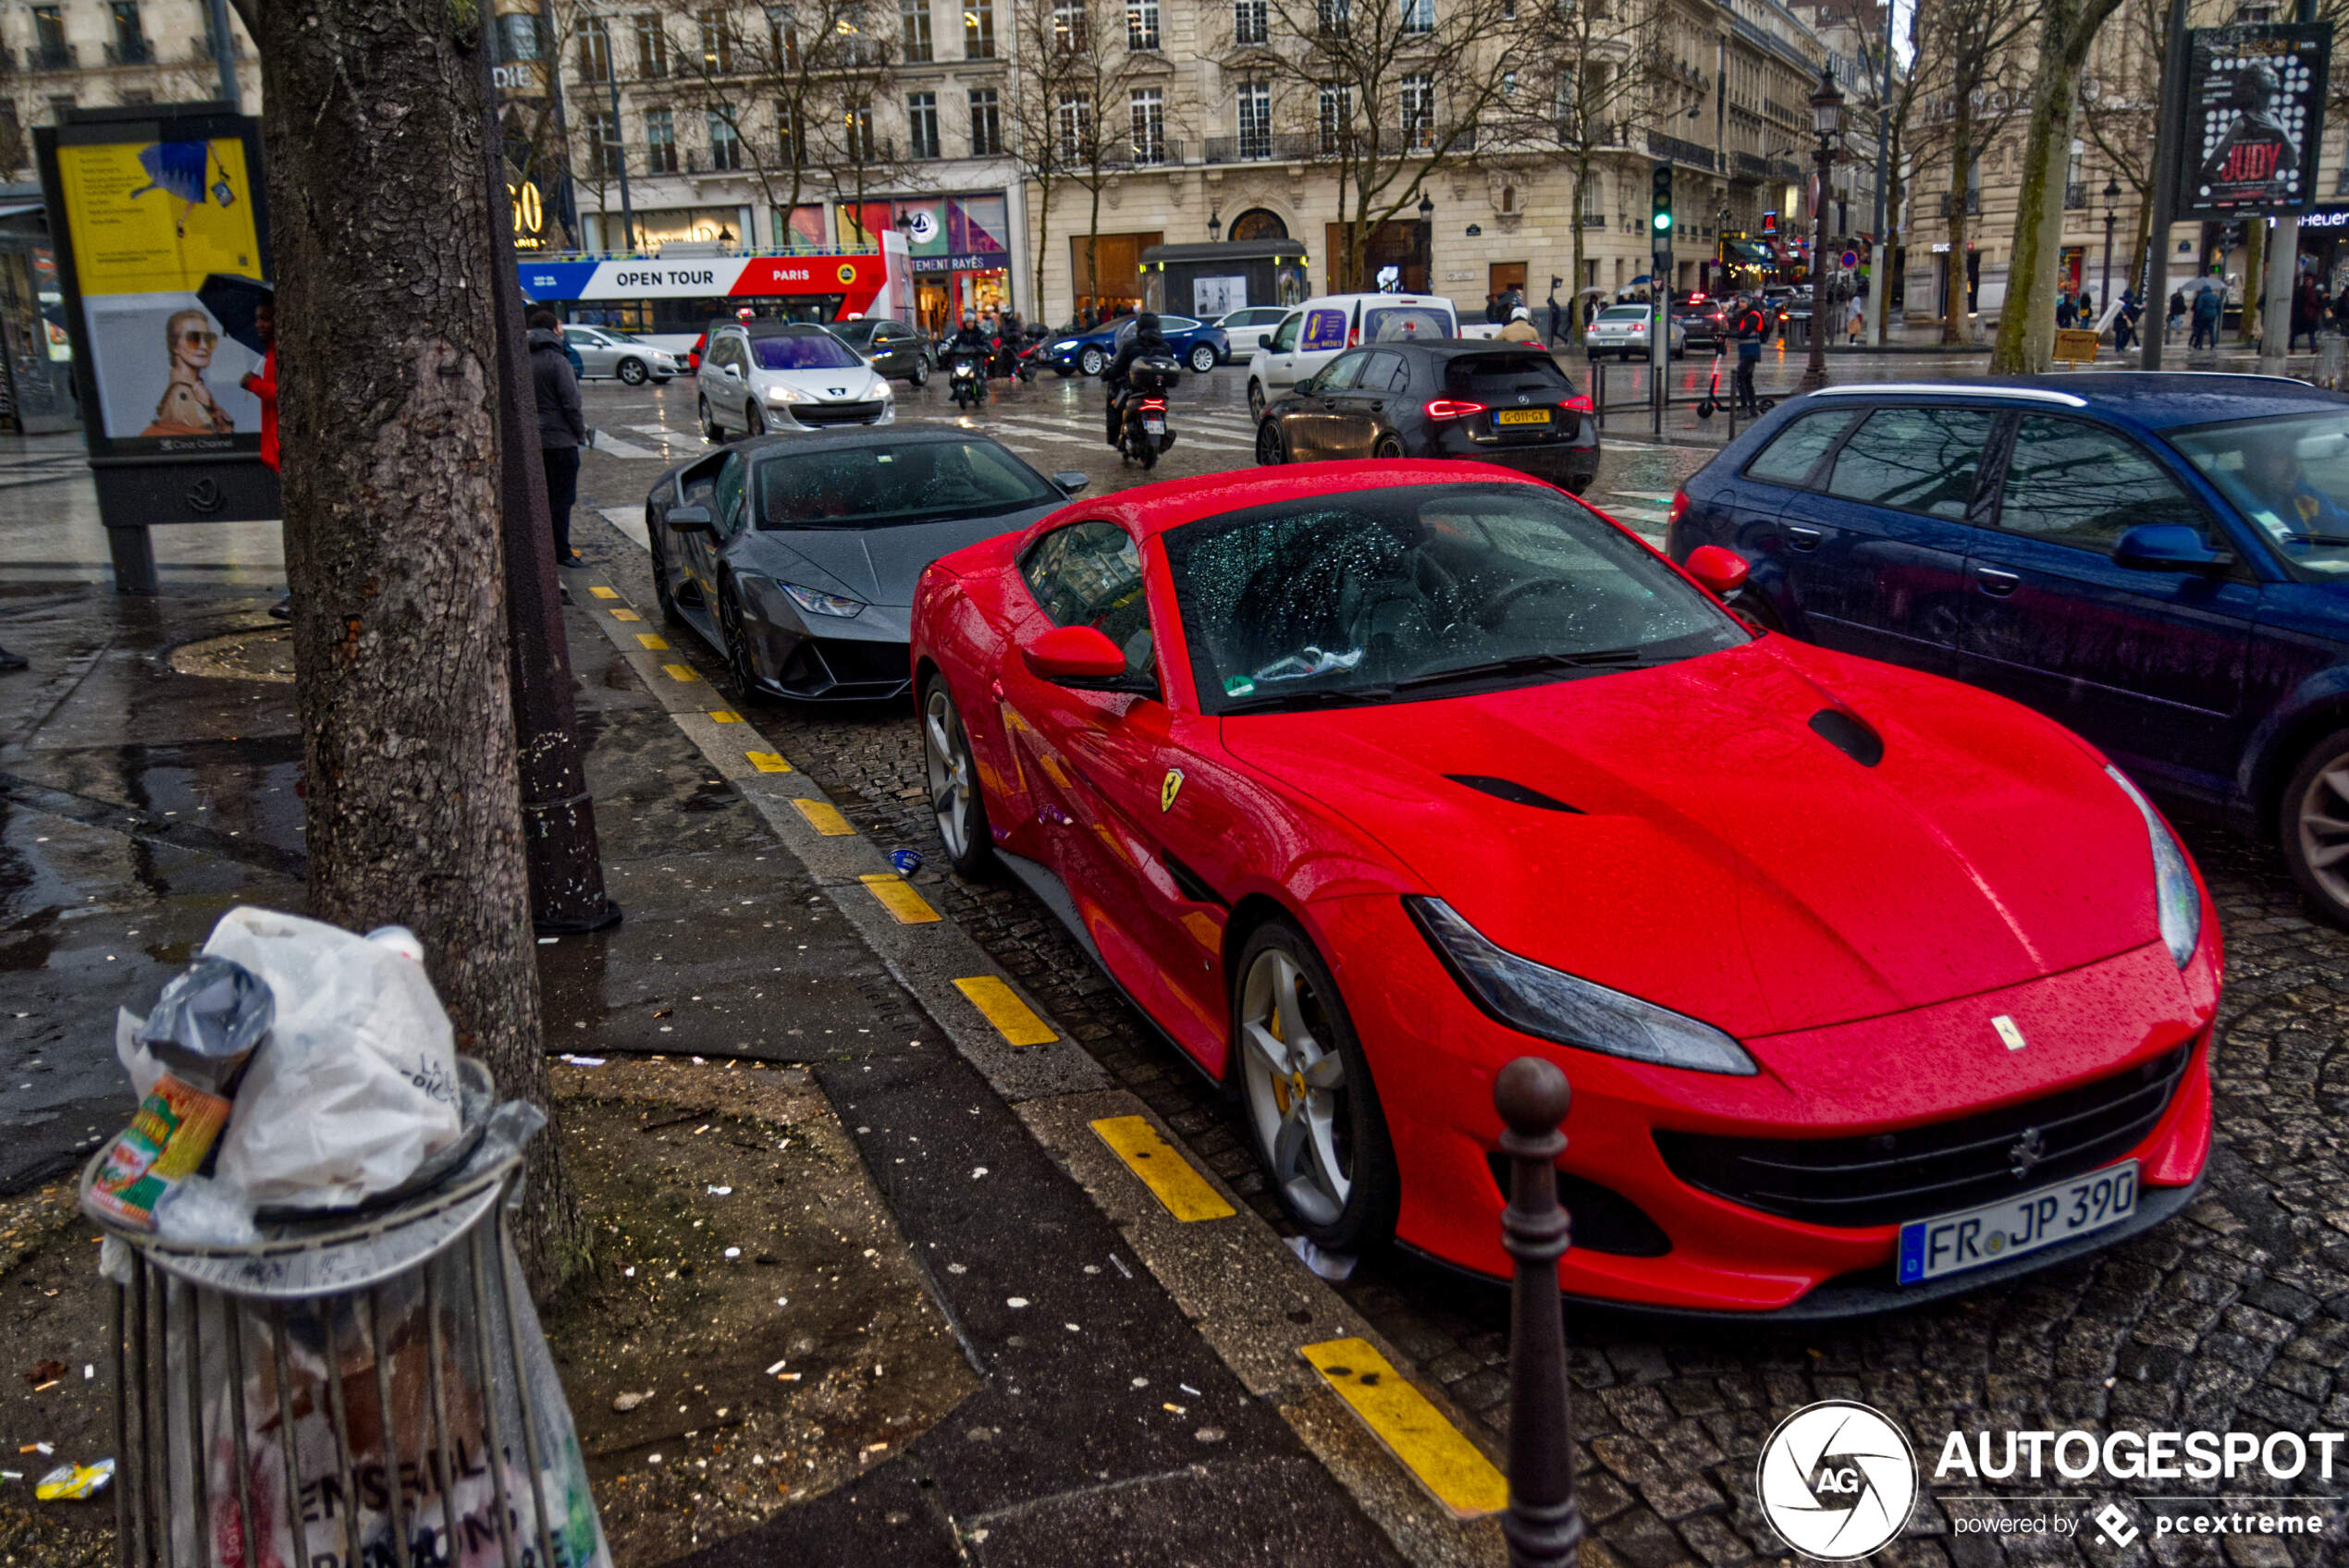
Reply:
x=1543, y=1526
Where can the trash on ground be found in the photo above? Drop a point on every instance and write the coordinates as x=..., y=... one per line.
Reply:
x=584, y=1061
x=719, y=1192
x=777, y=1367
x=1333, y=1266
x=907, y=862
x=71, y=1483
x=46, y=1371
x=628, y=1401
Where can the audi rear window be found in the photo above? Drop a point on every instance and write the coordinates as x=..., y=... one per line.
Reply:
x=1494, y=376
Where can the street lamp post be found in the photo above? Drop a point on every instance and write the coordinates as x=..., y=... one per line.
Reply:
x=2111, y=194
x=1826, y=118
x=1427, y=245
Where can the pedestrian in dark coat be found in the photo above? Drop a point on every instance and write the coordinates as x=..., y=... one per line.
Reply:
x=2307, y=310
x=562, y=426
x=2067, y=309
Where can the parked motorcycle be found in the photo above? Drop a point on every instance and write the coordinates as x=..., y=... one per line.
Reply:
x=966, y=380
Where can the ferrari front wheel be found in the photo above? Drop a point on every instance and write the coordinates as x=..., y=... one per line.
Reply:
x=1307, y=1094
x=955, y=800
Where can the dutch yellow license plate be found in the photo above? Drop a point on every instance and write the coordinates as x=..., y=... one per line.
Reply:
x=1522, y=416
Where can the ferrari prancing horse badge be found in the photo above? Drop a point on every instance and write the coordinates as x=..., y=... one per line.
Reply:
x=1172, y=786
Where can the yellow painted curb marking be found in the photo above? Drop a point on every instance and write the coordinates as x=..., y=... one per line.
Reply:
x=724, y=716
x=626, y=614
x=681, y=672
x=1012, y=1018
x=603, y=593
x=1453, y=1469
x=768, y=762
x=1165, y=1173
x=652, y=640
x=898, y=896
x=825, y=818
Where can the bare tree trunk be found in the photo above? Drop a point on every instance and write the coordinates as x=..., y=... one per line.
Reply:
x=1574, y=286
x=1043, y=239
x=2026, y=319
x=1953, y=303
x=393, y=540
x=2255, y=277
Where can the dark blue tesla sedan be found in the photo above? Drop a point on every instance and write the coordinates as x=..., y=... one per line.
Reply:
x=2159, y=562
x=1202, y=345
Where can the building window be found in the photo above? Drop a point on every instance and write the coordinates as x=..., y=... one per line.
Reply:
x=717, y=45
x=725, y=143
x=787, y=142
x=1333, y=17
x=1249, y=21
x=912, y=25
x=652, y=46
x=50, y=50
x=594, y=50
x=987, y=123
x=1337, y=116
x=604, y=150
x=130, y=48
x=857, y=122
x=921, y=125
x=1147, y=106
x=661, y=141
x=1417, y=102
x=1072, y=32
x=1256, y=120
x=1074, y=117
x=61, y=106
x=1141, y=24
x=979, y=30
x=1419, y=16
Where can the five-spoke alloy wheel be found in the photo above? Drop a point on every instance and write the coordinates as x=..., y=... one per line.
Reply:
x=2315, y=825
x=953, y=778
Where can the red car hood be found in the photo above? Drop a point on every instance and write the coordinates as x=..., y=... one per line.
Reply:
x=1724, y=860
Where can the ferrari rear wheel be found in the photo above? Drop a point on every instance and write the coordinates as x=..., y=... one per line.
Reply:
x=2314, y=828
x=1307, y=1094
x=954, y=799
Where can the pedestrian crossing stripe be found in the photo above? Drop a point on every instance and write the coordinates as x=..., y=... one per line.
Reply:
x=603, y=593
x=626, y=614
x=825, y=818
x=768, y=762
x=1000, y=1006
x=653, y=640
x=898, y=896
x=1453, y=1469
x=681, y=672
x=1188, y=1196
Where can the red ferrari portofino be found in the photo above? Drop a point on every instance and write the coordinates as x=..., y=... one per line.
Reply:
x=1364, y=780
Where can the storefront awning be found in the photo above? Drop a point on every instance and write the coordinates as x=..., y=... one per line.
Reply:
x=1753, y=250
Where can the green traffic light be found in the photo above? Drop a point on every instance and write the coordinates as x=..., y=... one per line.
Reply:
x=1663, y=220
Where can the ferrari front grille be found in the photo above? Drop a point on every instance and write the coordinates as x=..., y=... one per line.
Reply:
x=1889, y=1178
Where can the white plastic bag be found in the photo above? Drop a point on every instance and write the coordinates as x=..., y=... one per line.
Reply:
x=356, y=1085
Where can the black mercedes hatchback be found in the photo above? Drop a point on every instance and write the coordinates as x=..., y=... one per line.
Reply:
x=1481, y=400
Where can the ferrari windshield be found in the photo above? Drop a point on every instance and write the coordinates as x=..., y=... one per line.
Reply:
x=870, y=486
x=1423, y=590
x=2290, y=477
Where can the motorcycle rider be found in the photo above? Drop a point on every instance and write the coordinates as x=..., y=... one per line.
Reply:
x=968, y=342
x=1147, y=339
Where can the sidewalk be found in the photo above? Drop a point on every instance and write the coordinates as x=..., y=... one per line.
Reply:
x=1072, y=1376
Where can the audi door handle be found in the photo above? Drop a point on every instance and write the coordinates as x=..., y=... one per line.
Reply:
x=1996, y=583
x=1805, y=538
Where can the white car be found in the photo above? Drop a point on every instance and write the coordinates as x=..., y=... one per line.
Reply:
x=604, y=351
x=1623, y=330
x=1251, y=328
x=766, y=375
x=1323, y=328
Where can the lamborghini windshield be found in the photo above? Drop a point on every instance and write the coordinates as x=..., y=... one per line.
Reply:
x=889, y=482
x=1423, y=591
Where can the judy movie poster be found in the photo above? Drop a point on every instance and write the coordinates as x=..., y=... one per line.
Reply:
x=167, y=255
x=2255, y=119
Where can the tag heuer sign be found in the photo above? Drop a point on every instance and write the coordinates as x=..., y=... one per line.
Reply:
x=2254, y=121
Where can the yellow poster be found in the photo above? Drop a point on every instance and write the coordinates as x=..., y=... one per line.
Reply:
x=158, y=216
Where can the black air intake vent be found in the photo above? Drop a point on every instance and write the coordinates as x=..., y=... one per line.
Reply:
x=1849, y=736
x=1509, y=789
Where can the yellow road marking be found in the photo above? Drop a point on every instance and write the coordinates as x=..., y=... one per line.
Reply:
x=897, y=896
x=724, y=716
x=681, y=672
x=1012, y=1018
x=603, y=593
x=768, y=762
x=1453, y=1469
x=825, y=818
x=626, y=614
x=652, y=640
x=1164, y=1171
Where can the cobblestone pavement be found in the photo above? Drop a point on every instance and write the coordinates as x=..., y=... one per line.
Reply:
x=2235, y=1315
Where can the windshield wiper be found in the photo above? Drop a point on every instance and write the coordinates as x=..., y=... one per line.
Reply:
x=1528, y=664
x=1327, y=697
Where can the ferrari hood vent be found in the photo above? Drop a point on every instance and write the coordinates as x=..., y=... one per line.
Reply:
x=1847, y=735
x=1509, y=789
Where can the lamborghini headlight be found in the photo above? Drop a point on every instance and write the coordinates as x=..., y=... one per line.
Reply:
x=2175, y=894
x=1553, y=1005
x=816, y=601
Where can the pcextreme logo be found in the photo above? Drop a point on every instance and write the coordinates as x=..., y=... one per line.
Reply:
x=1838, y=1479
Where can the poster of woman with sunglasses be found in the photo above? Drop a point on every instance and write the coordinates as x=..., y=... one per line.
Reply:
x=187, y=407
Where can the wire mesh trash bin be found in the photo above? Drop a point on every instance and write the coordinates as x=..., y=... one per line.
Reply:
x=358, y=1393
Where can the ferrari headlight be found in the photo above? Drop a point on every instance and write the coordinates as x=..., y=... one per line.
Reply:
x=815, y=603
x=2174, y=895
x=1556, y=1005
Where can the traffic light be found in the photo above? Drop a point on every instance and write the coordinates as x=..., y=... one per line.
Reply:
x=1662, y=218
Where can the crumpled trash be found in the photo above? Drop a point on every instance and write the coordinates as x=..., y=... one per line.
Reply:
x=71, y=1483
x=202, y=1211
x=907, y=862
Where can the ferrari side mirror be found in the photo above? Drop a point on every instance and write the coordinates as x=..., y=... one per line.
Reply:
x=1721, y=571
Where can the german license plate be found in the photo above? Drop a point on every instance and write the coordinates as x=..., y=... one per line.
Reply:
x=1522, y=416
x=1951, y=1243
x=1154, y=427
